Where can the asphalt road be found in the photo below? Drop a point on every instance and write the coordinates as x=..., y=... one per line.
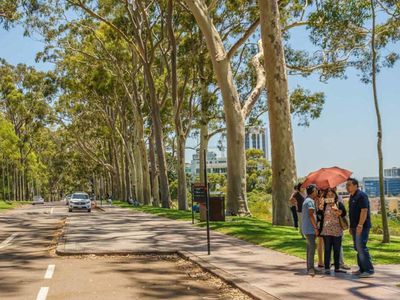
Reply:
x=29, y=269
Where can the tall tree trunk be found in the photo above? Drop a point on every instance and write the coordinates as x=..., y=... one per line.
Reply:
x=142, y=163
x=138, y=173
x=103, y=189
x=182, y=191
x=385, y=225
x=128, y=183
x=154, y=172
x=3, y=176
x=95, y=185
x=17, y=187
x=283, y=155
x=236, y=202
x=8, y=181
x=21, y=185
x=15, y=184
x=110, y=183
x=182, y=194
x=235, y=120
x=158, y=137
x=24, y=184
x=117, y=174
x=124, y=187
x=145, y=172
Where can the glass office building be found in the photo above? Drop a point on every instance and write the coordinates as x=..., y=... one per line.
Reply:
x=391, y=185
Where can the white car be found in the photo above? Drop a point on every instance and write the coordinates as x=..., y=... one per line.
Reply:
x=80, y=201
x=37, y=200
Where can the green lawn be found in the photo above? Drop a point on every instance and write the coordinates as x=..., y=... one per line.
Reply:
x=10, y=205
x=283, y=239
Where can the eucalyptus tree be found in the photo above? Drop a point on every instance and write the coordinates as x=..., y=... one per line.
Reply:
x=379, y=39
x=137, y=24
x=329, y=60
x=367, y=30
x=25, y=96
x=183, y=75
x=91, y=43
x=10, y=154
x=235, y=110
x=282, y=148
x=382, y=35
x=92, y=101
x=12, y=11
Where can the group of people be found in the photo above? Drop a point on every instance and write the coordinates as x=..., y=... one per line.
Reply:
x=321, y=217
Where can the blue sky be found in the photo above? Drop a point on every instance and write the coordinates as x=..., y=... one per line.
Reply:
x=345, y=135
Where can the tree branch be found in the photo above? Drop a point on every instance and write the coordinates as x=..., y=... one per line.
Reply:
x=109, y=23
x=255, y=93
x=325, y=64
x=243, y=39
x=294, y=24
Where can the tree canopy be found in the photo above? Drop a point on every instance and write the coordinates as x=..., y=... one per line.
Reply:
x=134, y=80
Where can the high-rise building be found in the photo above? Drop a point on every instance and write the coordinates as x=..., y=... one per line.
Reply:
x=257, y=138
x=391, y=186
x=393, y=172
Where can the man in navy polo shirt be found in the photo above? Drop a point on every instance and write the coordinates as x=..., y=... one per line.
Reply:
x=360, y=225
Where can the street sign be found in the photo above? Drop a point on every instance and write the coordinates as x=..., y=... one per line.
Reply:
x=200, y=195
x=199, y=192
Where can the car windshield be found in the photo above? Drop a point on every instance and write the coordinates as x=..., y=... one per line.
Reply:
x=80, y=196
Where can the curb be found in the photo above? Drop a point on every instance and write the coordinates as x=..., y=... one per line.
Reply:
x=229, y=278
x=111, y=252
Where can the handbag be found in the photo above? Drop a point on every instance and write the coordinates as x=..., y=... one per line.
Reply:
x=343, y=223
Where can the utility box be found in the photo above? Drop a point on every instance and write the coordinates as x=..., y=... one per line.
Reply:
x=217, y=209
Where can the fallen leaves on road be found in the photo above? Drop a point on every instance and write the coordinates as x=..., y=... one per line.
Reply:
x=193, y=272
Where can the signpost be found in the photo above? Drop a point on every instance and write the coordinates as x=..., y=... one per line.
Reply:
x=200, y=194
x=207, y=202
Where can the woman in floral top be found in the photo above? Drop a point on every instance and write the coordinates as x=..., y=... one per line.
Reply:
x=331, y=230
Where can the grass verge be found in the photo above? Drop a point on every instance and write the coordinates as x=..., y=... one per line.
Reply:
x=5, y=205
x=280, y=238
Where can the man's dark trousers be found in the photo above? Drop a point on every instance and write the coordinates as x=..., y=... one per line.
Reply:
x=360, y=245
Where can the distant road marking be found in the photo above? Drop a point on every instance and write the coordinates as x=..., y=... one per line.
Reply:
x=51, y=210
x=49, y=272
x=42, y=295
x=7, y=241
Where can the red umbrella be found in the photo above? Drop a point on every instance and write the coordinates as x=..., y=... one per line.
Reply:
x=327, y=177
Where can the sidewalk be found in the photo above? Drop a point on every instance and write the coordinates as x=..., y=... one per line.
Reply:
x=274, y=273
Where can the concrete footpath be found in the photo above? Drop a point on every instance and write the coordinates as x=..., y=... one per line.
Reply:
x=264, y=273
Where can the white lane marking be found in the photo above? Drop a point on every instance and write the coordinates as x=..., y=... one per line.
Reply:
x=49, y=272
x=51, y=210
x=7, y=241
x=42, y=295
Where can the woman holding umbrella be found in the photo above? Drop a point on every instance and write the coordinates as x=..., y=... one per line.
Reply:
x=325, y=178
x=331, y=229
